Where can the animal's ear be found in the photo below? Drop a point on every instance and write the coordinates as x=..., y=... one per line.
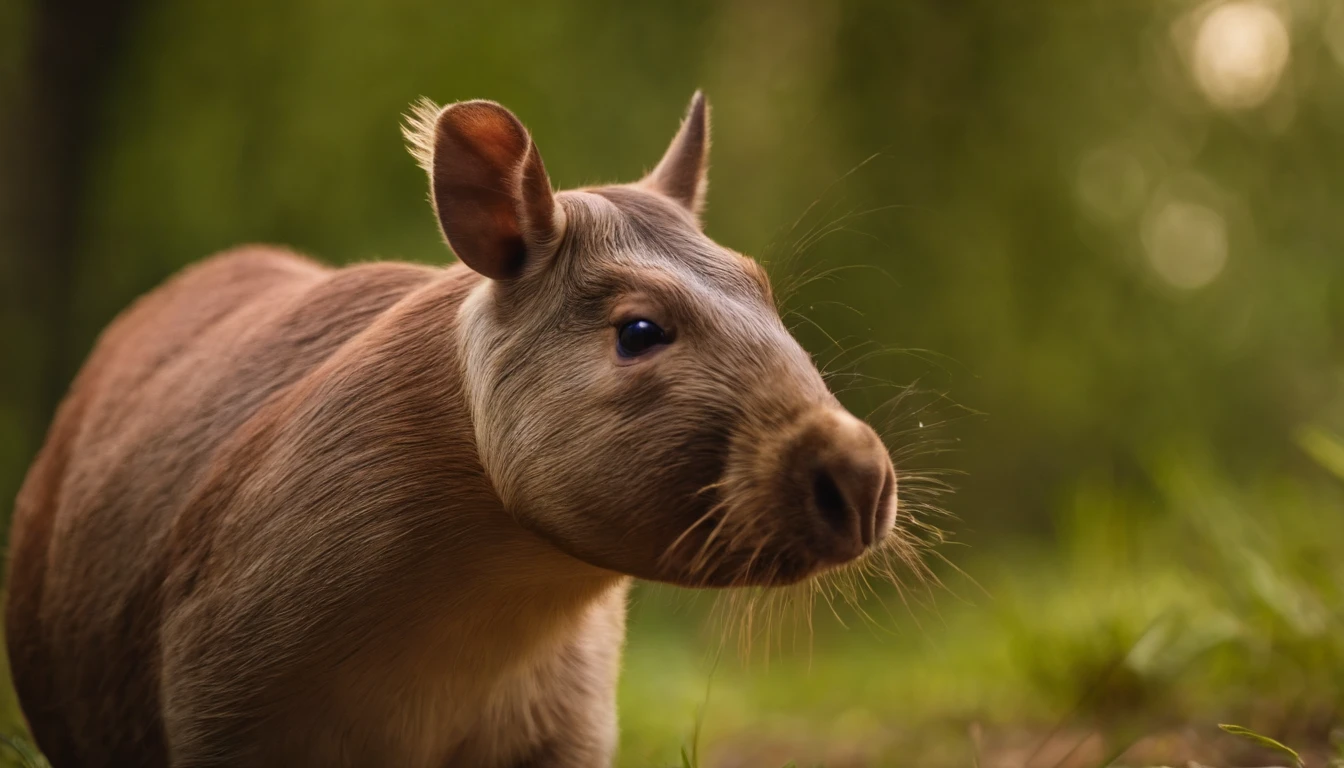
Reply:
x=682, y=173
x=488, y=185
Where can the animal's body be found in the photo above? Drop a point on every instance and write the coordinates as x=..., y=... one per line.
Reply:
x=388, y=514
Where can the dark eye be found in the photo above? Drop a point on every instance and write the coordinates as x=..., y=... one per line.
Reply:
x=639, y=336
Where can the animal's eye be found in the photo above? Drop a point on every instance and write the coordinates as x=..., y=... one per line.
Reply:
x=638, y=337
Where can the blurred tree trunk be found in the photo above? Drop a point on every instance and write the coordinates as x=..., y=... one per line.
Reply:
x=48, y=131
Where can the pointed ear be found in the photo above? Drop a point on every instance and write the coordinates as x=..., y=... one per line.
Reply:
x=682, y=173
x=488, y=185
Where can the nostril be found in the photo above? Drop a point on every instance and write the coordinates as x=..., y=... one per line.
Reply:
x=830, y=501
x=837, y=468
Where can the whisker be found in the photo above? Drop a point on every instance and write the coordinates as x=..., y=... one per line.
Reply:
x=911, y=419
x=676, y=542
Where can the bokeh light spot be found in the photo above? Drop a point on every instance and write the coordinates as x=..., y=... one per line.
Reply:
x=1186, y=242
x=1240, y=53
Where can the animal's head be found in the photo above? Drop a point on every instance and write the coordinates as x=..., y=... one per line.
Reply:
x=636, y=398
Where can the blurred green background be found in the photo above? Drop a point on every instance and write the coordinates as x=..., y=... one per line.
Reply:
x=1080, y=259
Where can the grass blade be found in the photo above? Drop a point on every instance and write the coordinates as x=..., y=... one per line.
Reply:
x=1264, y=741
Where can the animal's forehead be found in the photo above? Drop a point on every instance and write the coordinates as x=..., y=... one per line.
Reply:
x=630, y=229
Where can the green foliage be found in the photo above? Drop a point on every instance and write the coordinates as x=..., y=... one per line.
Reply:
x=27, y=755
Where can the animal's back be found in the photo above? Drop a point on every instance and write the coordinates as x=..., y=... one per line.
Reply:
x=169, y=381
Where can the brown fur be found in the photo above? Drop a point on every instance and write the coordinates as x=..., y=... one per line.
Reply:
x=387, y=514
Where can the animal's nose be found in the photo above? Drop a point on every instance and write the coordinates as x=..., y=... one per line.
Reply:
x=850, y=480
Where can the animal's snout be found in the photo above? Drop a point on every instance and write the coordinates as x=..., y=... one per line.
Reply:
x=847, y=479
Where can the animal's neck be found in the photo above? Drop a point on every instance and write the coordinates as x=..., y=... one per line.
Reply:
x=483, y=588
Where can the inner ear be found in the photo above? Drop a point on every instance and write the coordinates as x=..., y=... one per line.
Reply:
x=488, y=185
x=682, y=173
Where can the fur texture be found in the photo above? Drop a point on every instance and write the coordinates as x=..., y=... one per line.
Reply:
x=388, y=514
